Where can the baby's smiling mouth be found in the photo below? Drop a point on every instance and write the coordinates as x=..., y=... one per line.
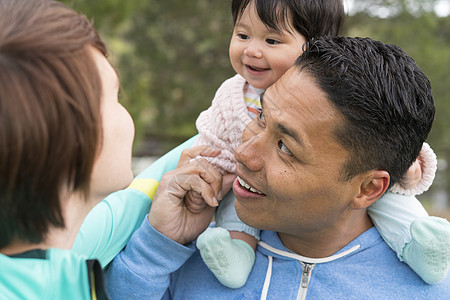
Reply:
x=248, y=187
x=253, y=68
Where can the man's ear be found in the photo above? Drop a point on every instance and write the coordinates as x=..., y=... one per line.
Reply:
x=372, y=188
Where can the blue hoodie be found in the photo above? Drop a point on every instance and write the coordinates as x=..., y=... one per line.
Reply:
x=154, y=267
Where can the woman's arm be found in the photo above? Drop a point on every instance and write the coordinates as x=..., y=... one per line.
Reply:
x=110, y=224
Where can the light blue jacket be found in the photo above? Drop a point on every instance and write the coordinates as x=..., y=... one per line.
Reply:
x=154, y=267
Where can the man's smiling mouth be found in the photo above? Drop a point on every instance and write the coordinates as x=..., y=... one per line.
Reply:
x=247, y=186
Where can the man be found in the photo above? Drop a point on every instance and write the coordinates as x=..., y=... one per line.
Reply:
x=335, y=132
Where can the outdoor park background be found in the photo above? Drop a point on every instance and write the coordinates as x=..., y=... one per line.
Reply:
x=172, y=55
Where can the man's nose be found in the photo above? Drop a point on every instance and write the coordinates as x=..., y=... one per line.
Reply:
x=251, y=152
x=253, y=50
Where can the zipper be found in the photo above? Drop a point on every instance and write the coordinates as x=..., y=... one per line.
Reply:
x=307, y=264
x=306, y=276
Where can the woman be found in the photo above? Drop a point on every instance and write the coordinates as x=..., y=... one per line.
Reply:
x=65, y=145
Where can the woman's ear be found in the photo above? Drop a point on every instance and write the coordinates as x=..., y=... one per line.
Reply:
x=372, y=188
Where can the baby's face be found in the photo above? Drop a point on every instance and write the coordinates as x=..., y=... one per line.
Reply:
x=260, y=54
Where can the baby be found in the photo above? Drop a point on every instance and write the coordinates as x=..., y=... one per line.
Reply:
x=267, y=39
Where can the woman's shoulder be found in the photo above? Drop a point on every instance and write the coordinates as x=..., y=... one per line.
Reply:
x=48, y=274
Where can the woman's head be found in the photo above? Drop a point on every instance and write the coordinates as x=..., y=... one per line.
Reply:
x=268, y=34
x=50, y=108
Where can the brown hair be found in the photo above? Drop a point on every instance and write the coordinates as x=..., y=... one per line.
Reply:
x=50, y=122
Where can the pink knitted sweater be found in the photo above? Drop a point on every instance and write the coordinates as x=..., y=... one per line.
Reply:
x=222, y=124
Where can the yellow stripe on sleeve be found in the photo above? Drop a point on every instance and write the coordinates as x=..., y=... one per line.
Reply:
x=146, y=185
x=253, y=101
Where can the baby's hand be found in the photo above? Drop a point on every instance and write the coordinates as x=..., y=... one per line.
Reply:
x=194, y=201
x=413, y=176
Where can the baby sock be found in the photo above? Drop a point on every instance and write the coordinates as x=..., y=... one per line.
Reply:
x=230, y=260
x=428, y=253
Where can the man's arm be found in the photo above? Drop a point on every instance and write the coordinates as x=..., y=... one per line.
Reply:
x=155, y=251
x=110, y=224
x=142, y=270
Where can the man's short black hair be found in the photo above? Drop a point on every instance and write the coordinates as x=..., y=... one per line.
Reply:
x=385, y=98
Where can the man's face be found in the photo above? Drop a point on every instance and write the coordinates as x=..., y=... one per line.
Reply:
x=290, y=156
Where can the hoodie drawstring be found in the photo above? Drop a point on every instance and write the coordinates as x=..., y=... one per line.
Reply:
x=267, y=280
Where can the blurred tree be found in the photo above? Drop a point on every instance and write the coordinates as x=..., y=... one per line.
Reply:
x=106, y=14
x=178, y=59
x=173, y=55
x=390, y=8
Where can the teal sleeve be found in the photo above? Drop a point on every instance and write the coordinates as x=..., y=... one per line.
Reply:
x=167, y=162
x=110, y=224
x=392, y=215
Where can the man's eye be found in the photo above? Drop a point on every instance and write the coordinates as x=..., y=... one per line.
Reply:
x=243, y=36
x=283, y=148
x=272, y=42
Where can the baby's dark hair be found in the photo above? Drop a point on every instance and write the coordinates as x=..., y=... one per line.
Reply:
x=311, y=18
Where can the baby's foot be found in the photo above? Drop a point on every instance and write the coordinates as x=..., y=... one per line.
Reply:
x=230, y=260
x=428, y=253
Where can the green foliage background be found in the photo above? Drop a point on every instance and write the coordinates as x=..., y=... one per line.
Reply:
x=172, y=55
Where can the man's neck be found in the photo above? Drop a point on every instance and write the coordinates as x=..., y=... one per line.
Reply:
x=319, y=244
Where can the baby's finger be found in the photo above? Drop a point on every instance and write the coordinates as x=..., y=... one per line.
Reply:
x=227, y=183
x=197, y=184
x=210, y=174
x=188, y=154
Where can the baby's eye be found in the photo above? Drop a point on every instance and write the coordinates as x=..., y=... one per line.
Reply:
x=261, y=120
x=283, y=148
x=272, y=42
x=261, y=116
x=243, y=36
